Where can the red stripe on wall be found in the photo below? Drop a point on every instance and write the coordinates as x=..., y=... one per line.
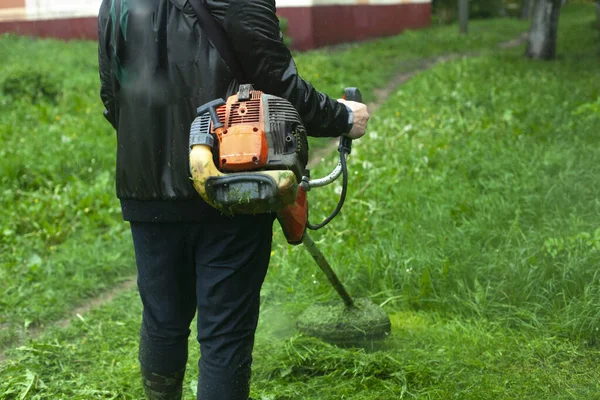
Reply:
x=324, y=25
x=309, y=27
x=71, y=28
x=300, y=27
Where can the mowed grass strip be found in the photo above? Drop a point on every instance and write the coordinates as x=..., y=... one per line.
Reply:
x=427, y=357
x=473, y=216
x=61, y=235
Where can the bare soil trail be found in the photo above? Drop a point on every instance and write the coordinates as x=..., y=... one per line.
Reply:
x=382, y=94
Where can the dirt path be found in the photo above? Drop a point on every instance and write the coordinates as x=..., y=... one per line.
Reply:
x=381, y=95
x=104, y=298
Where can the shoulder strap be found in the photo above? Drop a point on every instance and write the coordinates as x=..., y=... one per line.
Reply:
x=218, y=37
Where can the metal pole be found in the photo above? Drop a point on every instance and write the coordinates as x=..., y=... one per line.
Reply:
x=327, y=270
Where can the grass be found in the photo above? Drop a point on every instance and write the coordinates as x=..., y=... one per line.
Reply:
x=370, y=64
x=473, y=217
x=61, y=236
x=428, y=357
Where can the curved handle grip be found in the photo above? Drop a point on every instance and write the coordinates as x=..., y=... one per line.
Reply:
x=352, y=94
x=211, y=108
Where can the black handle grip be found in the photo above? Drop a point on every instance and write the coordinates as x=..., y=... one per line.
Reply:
x=211, y=108
x=351, y=94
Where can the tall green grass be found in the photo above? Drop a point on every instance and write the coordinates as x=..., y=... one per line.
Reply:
x=474, y=193
x=61, y=235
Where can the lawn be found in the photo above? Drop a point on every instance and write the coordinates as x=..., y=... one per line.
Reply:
x=473, y=218
x=62, y=240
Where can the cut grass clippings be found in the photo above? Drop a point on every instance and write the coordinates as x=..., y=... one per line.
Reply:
x=428, y=357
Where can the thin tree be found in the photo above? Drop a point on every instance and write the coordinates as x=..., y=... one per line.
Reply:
x=526, y=8
x=598, y=16
x=544, y=29
x=463, y=16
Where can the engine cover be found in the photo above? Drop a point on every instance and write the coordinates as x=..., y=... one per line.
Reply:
x=260, y=132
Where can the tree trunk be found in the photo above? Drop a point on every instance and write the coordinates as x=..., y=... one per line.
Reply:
x=463, y=16
x=544, y=29
x=526, y=8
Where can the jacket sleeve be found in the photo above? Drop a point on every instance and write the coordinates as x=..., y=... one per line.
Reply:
x=252, y=27
x=106, y=82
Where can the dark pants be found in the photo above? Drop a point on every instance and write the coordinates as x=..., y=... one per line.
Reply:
x=218, y=267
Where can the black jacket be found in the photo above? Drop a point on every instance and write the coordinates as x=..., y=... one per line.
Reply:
x=157, y=67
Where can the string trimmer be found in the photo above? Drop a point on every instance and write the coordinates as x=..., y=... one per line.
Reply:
x=249, y=155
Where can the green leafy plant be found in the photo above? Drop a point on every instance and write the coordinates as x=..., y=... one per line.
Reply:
x=31, y=84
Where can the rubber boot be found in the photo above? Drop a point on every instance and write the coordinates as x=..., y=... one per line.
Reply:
x=163, y=387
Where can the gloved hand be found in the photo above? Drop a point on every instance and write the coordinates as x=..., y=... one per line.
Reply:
x=361, y=117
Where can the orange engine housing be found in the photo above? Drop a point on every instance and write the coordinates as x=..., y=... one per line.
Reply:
x=243, y=143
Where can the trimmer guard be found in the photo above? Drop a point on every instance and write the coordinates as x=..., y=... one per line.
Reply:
x=240, y=193
x=251, y=193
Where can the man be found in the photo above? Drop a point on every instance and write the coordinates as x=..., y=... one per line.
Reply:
x=156, y=67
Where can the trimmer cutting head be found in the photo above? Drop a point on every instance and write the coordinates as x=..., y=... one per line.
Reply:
x=335, y=323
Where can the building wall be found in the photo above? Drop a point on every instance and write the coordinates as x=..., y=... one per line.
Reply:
x=312, y=23
x=48, y=9
x=63, y=19
x=315, y=23
x=12, y=9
